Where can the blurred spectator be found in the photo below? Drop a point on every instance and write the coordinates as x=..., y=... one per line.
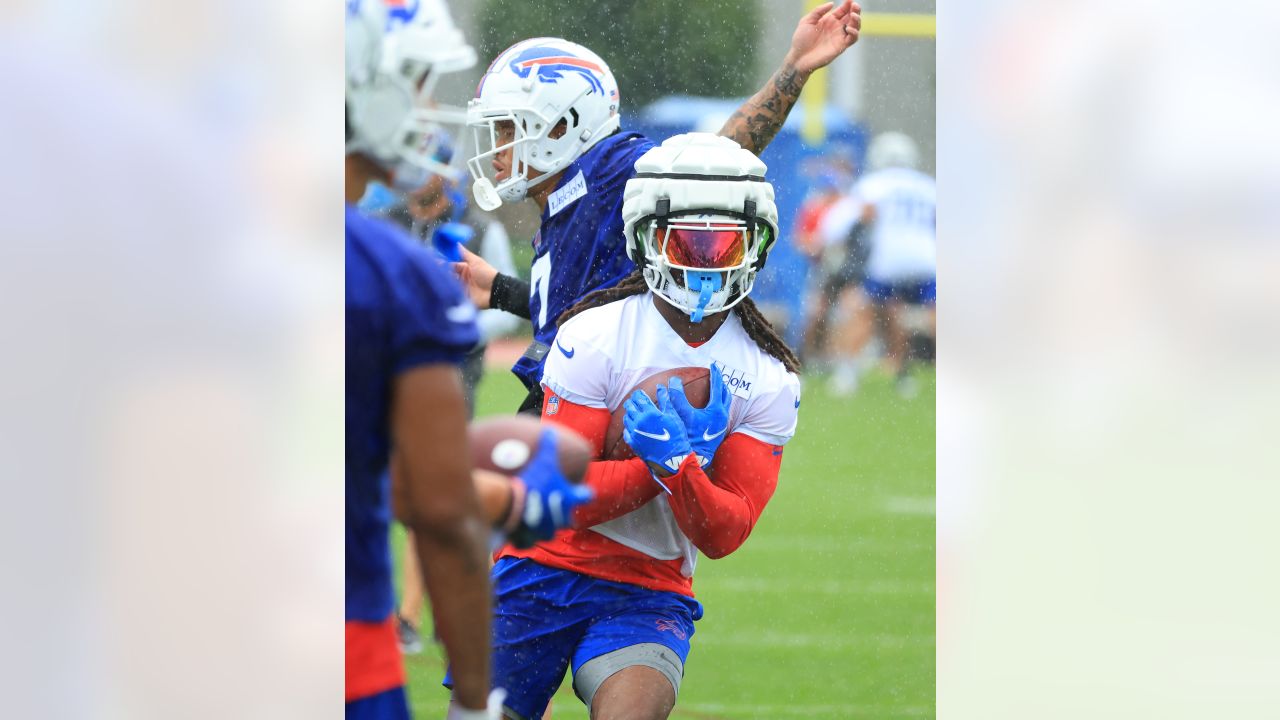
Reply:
x=895, y=204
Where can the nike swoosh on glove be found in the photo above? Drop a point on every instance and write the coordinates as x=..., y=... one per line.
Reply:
x=707, y=426
x=655, y=432
x=543, y=498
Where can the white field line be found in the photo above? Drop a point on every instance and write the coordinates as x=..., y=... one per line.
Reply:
x=802, y=710
x=826, y=586
x=900, y=505
x=809, y=543
x=772, y=639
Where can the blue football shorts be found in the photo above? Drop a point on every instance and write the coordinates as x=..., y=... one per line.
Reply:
x=914, y=292
x=547, y=620
x=391, y=704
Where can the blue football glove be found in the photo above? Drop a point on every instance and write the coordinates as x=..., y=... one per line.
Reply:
x=655, y=432
x=549, y=497
x=707, y=426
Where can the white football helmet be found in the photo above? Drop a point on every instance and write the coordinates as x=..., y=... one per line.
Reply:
x=530, y=88
x=700, y=219
x=396, y=53
x=892, y=149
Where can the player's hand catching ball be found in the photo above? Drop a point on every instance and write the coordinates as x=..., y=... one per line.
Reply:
x=707, y=426
x=543, y=499
x=655, y=432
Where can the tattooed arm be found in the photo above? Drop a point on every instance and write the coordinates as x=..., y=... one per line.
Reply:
x=819, y=38
x=755, y=123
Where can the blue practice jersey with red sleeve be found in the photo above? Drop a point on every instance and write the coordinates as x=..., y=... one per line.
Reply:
x=404, y=310
x=580, y=246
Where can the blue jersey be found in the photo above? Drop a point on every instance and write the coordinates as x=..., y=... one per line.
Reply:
x=404, y=310
x=580, y=246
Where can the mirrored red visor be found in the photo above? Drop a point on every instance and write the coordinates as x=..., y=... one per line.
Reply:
x=704, y=247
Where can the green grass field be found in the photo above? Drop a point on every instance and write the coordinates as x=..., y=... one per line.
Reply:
x=827, y=611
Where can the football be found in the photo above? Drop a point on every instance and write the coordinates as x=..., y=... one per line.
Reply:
x=506, y=444
x=697, y=387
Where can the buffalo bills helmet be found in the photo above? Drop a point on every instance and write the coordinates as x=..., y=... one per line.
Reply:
x=396, y=51
x=699, y=219
x=532, y=88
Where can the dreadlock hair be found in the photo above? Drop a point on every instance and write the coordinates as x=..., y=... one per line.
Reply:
x=753, y=322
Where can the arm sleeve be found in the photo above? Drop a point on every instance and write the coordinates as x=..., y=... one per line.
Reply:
x=495, y=247
x=510, y=294
x=718, y=514
x=620, y=485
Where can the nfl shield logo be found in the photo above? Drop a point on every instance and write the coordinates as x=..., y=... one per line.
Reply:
x=553, y=405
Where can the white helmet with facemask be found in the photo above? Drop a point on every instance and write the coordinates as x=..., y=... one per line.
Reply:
x=530, y=90
x=700, y=219
x=395, y=56
x=892, y=150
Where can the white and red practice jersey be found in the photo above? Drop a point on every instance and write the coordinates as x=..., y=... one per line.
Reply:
x=598, y=359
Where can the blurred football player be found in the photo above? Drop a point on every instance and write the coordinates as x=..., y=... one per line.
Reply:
x=897, y=204
x=612, y=600
x=437, y=214
x=408, y=325
x=546, y=122
x=825, y=281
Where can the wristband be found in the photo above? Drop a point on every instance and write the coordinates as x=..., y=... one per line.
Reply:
x=510, y=294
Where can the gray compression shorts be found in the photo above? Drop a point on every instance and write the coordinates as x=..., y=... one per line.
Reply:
x=595, y=671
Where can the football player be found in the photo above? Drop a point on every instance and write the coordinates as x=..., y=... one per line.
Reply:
x=612, y=600
x=898, y=206
x=546, y=122
x=408, y=326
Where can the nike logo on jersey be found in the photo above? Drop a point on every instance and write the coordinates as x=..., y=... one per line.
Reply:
x=713, y=436
x=665, y=436
x=797, y=403
x=567, y=353
x=460, y=313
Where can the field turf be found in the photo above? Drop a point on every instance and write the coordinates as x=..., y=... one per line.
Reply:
x=827, y=611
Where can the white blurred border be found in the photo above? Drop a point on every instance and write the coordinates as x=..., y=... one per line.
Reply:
x=172, y=416
x=1110, y=218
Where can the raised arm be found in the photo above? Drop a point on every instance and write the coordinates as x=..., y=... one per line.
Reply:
x=820, y=37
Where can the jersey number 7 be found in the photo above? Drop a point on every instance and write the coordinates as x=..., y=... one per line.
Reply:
x=540, y=275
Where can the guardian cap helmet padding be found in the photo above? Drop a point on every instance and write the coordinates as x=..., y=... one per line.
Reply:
x=699, y=219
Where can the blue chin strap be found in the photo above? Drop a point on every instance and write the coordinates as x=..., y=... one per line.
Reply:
x=705, y=284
